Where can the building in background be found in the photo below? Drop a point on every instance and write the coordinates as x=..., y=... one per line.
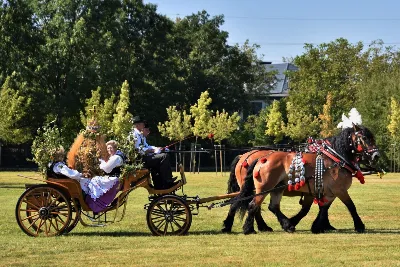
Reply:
x=280, y=86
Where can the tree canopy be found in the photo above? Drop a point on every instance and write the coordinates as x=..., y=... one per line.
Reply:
x=61, y=51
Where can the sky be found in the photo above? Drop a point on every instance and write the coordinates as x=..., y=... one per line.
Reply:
x=282, y=27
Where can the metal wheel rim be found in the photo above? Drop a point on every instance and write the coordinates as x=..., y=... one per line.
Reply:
x=43, y=211
x=169, y=216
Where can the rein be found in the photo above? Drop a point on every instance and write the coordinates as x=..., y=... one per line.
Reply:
x=232, y=201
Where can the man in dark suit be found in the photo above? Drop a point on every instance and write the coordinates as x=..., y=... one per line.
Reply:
x=153, y=158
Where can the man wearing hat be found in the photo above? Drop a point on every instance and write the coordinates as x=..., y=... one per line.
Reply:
x=153, y=159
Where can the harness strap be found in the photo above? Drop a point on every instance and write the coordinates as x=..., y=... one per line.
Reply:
x=333, y=155
x=245, y=163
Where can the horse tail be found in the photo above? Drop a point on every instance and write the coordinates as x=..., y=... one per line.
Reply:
x=247, y=190
x=233, y=185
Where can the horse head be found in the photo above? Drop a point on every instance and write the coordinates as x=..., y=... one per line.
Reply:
x=364, y=146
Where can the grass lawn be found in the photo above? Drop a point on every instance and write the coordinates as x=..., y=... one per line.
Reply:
x=130, y=243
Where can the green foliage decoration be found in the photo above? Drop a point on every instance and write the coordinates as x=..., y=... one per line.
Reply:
x=47, y=141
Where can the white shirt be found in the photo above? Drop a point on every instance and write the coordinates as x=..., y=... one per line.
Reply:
x=113, y=161
x=63, y=169
x=141, y=143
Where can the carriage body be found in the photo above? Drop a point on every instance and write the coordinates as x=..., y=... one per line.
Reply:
x=58, y=205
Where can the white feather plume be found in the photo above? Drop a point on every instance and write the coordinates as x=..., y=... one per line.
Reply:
x=347, y=122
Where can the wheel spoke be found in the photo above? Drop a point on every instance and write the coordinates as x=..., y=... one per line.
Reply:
x=172, y=227
x=154, y=211
x=45, y=227
x=180, y=212
x=59, y=207
x=60, y=219
x=165, y=228
x=157, y=220
x=52, y=224
x=57, y=227
x=29, y=217
x=180, y=219
x=29, y=203
x=40, y=225
x=177, y=224
x=33, y=223
x=161, y=208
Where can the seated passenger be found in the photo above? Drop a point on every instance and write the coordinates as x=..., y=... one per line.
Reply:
x=59, y=169
x=101, y=190
x=153, y=159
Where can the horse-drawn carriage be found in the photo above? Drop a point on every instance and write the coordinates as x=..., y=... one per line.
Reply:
x=56, y=207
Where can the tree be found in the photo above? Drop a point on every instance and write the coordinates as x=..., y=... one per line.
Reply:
x=335, y=68
x=14, y=110
x=374, y=103
x=394, y=120
x=328, y=129
x=178, y=126
x=300, y=125
x=122, y=122
x=275, y=124
x=221, y=125
x=201, y=115
x=203, y=59
x=104, y=111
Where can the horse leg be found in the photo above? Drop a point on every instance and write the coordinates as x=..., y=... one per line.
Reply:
x=253, y=208
x=261, y=224
x=305, y=208
x=358, y=224
x=320, y=222
x=275, y=208
x=228, y=222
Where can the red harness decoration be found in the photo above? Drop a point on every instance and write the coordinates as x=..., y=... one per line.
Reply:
x=351, y=168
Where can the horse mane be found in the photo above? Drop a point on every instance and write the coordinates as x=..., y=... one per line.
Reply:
x=341, y=143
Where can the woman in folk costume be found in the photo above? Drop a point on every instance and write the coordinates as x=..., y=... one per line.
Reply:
x=101, y=190
x=93, y=157
x=59, y=169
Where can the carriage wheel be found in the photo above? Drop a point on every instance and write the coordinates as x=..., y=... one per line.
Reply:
x=169, y=215
x=43, y=210
x=75, y=216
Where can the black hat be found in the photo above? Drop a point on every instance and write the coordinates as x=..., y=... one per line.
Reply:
x=137, y=119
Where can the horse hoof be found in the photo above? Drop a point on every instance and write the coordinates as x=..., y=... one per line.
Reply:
x=317, y=230
x=360, y=228
x=226, y=230
x=249, y=232
x=330, y=228
x=265, y=229
x=290, y=229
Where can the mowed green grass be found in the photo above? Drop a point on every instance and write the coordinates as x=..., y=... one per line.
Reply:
x=129, y=243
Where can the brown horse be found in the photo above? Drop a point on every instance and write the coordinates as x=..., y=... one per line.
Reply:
x=351, y=145
x=239, y=168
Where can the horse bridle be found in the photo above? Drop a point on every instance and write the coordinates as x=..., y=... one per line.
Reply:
x=361, y=148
